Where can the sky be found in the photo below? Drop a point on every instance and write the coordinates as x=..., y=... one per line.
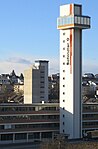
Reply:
x=28, y=32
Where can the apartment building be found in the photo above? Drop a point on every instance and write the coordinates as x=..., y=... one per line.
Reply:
x=36, y=83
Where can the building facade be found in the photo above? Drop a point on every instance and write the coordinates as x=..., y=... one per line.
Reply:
x=70, y=23
x=53, y=85
x=90, y=117
x=28, y=122
x=36, y=83
x=31, y=122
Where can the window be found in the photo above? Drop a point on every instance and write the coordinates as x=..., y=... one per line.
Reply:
x=63, y=123
x=63, y=48
x=84, y=20
x=63, y=93
x=42, y=82
x=63, y=85
x=63, y=100
x=42, y=76
x=63, y=78
x=65, y=20
x=41, y=91
x=6, y=137
x=41, y=97
x=63, y=55
x=88, y=22
x=63, y=130
x=42, y=87
x=20, y=136
x=63, y=70
x=42, y=72
x=63, y=108
x=79, y=20
x=63, y=41
x=76, y=19
x=63, y=115
x=63, y=33
x=63, y=63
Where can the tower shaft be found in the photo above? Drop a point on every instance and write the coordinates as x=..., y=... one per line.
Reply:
x=70, y=23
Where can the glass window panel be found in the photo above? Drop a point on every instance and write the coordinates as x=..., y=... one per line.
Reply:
x=76, y=19
x=69, y=20
x=72, y=20
x=87, y=20
x=84, y=20
x=58, y=22
x=61, y=21
x=79, y=20
x=66, y=20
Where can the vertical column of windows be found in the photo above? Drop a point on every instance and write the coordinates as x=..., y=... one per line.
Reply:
x=63, y=123
x=63, y=56
x=63, y=77
x=63, y=60
x=64, y=49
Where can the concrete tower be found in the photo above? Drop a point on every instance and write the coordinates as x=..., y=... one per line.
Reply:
x=70, y=23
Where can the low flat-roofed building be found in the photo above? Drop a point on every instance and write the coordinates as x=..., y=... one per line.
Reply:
x=90, y=116
x=28, y=122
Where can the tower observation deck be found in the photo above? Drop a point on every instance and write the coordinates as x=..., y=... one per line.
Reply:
x=74, y=20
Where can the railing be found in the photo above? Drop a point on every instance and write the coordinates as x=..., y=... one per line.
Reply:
x=90, y=126
x=45, y=112
x=30, y=129
x=73, y=20
x=29, y=121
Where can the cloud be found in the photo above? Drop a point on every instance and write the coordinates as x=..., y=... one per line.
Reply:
x=53, y=65
x=7, y=67
x=20, y=64
x=14, y=63
x=90, y=66
x=18, y=60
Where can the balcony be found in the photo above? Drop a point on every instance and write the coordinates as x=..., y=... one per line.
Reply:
x=67, y=22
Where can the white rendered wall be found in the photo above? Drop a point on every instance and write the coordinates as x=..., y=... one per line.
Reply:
x=28, y=86
x=70, y=78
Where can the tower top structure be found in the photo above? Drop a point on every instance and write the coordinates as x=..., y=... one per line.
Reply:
x=71, y=17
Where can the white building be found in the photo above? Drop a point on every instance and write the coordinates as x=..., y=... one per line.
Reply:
x=70, y=23
x=36, y=83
